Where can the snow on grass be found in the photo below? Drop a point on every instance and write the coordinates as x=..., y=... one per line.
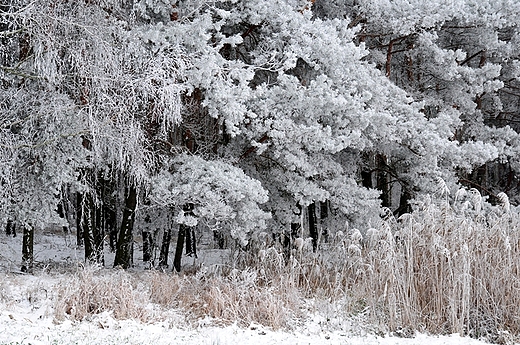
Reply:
x=26, y=324
x=63, y=303
x=28, y=316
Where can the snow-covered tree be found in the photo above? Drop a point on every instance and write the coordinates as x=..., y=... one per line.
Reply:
x=227, y=111
x=460, y=59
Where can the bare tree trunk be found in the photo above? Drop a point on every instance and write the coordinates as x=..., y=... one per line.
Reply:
x=165, y=248
x=288, y=240
x=183, y=231
x=27, y=249
x=88, y=224
x=110, y=226
x=92, y=231
x=10, y=228
x=148, y=242
x=124, y=250
x=99, y=234
x=286, y=244
x=324, y=213
x=79, y=219
x=62, y=213
x=191, y=242
x=219, y=239
x=382, y=180
x=313, y=228
x=148, y=246
x=177, y=261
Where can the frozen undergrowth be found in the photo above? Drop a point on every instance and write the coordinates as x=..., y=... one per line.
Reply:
x=431, y=272
x=28, y=316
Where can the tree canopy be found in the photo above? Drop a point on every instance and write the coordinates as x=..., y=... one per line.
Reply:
x=239, y=115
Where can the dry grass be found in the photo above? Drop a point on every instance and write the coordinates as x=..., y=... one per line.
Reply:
x=91, y=291
x=237, y=297
x=446, y=273
x=436, y=270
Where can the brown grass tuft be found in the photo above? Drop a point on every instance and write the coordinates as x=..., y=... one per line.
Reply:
x=91, y=291
x=238, y=297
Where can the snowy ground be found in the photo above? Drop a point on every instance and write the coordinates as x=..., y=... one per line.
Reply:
x=26, y=326
x=27, y=317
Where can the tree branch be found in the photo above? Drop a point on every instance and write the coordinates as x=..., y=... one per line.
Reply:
x=253, y=148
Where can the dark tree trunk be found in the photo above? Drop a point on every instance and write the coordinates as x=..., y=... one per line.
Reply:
x=148, y=245
x=191, y=242
x=107, y=219
x=62, y=213
x=288, y=240
x=219, y=239
x=324, y=213
x=286, y=246
x=177, y=261
x=184, y=230
x=10, y=228
x=148, y=242
x=87, y=224
x=382, y=180
x=110, y=226
x=404, y=204
x=313, y=228
x=165, y=248
x=27, y=249
x=79, y=219
x=366, y=179
x=25, y=47
x=124, y=250
x=324, y=209
x=188, y=242
x=93, y=233
x=98, y=231
x=295, y=230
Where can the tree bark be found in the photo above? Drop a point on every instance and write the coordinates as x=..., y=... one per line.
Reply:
x=313, y=229
x=191, y=242
x=165, y=248
x=219, y=239
x=188, y=242
x=92, y=231
x=382, y=180
x=79, y=219
x=124, y=250
x=404, y=204
x=286, y=246
x=324, y=213
x=177, y=261
x=10, y=228
x=183, y=231
x=148, y=246
x=288, y=240
x=148, y=238
x=110, y=221
x=27, y=249
x=62, y=213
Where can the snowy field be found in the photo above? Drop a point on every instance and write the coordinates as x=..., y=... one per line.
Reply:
x=27, y=315
x=28, y=326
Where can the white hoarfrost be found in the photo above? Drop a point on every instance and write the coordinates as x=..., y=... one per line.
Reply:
x=28, y=304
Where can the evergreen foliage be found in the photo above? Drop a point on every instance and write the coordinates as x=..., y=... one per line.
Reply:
x=250, y=113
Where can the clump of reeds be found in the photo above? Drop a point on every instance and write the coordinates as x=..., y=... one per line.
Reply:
x=92, y=291
x=448, y=267
x=236, y=297
x=437, y=269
